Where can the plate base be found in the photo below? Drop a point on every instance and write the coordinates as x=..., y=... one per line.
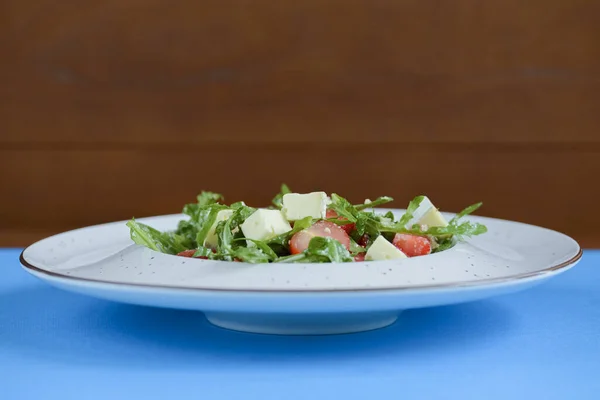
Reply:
x=303, y=324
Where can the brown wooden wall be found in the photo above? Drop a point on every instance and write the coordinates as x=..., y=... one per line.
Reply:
x=119, y=108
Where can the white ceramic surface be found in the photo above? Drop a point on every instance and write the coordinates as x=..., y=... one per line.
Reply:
x=101, y=261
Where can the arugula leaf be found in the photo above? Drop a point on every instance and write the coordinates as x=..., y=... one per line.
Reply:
x=201, y=220
x=165, y=242
x=278, y=199
x=410, y=210
x=237, y=205
x=469, y=210
x=366, y=221
x=355, y=248
x=202, y=251
x=389, y=215
x=375, y=203
x=206, y=198
x=253, y=255
x=329, y=248
x=343, y=208
x=454, y=227
x=204, y=220
x=224, y=230
x=187, y=229
x=466, y=229
x=263, y=246
x=321, y=249
x=203, y=199
x=444, y=244
x=190, y=209
x=302, y=258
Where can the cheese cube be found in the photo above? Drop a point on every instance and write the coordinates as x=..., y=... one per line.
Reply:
x=297, y=206
x=433, y=218
x=211, y=239
x=427, y=214
x=381, y=249
x=265, y=224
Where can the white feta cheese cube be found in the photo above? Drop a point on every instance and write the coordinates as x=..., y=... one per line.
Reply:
x=381, y=249
x=265, y=224
x=297, y=206
x=211, y=239
x=433, y=218
x=427, y=214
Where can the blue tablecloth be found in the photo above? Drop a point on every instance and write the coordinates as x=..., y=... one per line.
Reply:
x=539, y=344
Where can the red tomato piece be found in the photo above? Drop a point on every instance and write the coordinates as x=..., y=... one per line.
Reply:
x=190, y=253
x=412, y=245
x=299, y=242
x=360, y=257
x=347, y=227
x=331, y=214
x=364, y=240
x=186, y=253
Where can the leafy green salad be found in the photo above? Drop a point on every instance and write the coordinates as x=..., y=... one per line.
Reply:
x=307, y=228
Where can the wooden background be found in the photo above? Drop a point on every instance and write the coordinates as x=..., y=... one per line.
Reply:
x=127, y=108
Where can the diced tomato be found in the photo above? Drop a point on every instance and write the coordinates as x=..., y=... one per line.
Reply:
x=331, y=214
x=364, y=240
x=190, y=253
x=412, y=245
x=299, y=242
x=347, y=227
x=186, y=253
x=360, y=257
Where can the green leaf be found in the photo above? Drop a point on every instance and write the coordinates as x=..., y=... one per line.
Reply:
x=224, y=230
x=204, y=219
x=278, y=199
x=355, y=248
x=145, y=235
x=207, y=198
x=201, y=220
x=203, y=199
x=389, y=215
x=237, y=205
x=190, y=209
x=412, y=207
x=321, y=249
x=455, y=228
x=444, y=244
x=253, y=255
x=165, y=242
x=375, y=203
x=302, y=258
x=343, y=208
x=263, y=246
x=330, y=248
x=187, y=229
x=366, y=222
x=469, y=210
x=202, y=251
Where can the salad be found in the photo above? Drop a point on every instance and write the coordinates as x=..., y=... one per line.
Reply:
x=307, y=228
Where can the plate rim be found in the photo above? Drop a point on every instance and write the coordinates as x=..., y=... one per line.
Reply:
x=551, y=270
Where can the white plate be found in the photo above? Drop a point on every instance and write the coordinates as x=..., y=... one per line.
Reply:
x=101, y=261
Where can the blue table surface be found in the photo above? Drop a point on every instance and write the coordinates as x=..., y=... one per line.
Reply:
x=543, y=343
